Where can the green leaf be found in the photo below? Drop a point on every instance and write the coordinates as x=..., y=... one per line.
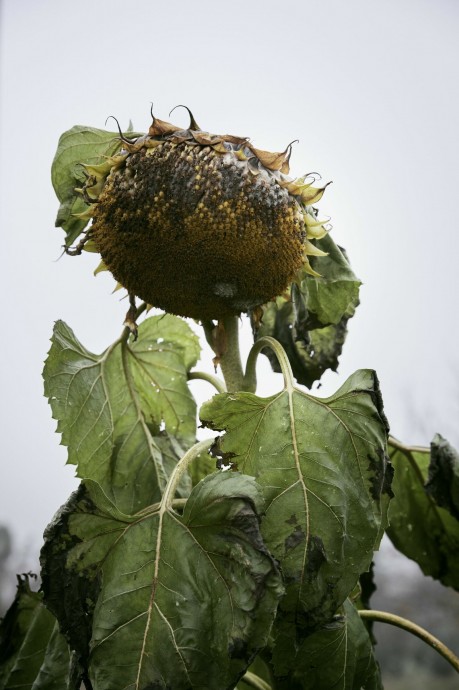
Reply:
x=260, y=669
x=418, y=527
x=311, y=323
x=184, y=601
x=54, y=672
x=75, y=543
x=29, y=642
x=110, y=407
x=326, y=482
x=310, y=353
x=203, y=465
x=338, y=656
x=336, y=293
x=443, y=480
x=78, y=145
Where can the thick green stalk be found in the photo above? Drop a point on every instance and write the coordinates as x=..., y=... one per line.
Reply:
x=230, y=361
x=224, y=341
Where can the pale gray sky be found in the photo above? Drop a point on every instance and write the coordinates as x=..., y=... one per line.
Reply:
x=371, y=91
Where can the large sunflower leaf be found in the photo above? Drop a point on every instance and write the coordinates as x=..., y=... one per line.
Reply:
x=30, y=645
x=339, y=656
x=324, y=473
x=110, y=407
x=78, y=145
x=311, y=322
x=183, y=601
x=418, y=527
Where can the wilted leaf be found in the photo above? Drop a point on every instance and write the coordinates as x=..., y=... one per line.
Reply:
x=322, y=466
x=54, y=671
x=30, y=645
x=336, y=293
x=310, y=353
x=311, y=322
x=78, y=145
x=443, y=479
x=110, y=407
x=184, y=601
x=418, y=527
x=339, y=656
x=76, y=542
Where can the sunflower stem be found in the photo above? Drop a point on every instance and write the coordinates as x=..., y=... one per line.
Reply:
x=224, y=341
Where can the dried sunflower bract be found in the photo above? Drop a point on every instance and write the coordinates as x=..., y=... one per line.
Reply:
x=199, y=224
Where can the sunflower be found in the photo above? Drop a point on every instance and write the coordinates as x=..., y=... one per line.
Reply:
x=198, y=224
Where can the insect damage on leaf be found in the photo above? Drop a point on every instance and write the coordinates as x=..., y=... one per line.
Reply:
x=199, y=224
x=223, y=459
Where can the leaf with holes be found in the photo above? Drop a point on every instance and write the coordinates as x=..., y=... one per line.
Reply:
x=326, y=482
x=111, y=407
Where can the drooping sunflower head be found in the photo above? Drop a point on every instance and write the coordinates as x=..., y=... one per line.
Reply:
x=201, y=225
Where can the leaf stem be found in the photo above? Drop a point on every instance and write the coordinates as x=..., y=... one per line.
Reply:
x=254, y=681
x=250, y=378
x=398, y=445
x=409, y=626
x=179, y=470
x=177, y=504
x=204, y=376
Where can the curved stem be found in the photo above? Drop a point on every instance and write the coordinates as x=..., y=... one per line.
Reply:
x=254, y=681
x=250, y=378
x=204, y=376
x=409, y=626
x=179, y=470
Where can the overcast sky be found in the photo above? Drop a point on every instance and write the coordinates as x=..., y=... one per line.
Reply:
x=369, y=88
